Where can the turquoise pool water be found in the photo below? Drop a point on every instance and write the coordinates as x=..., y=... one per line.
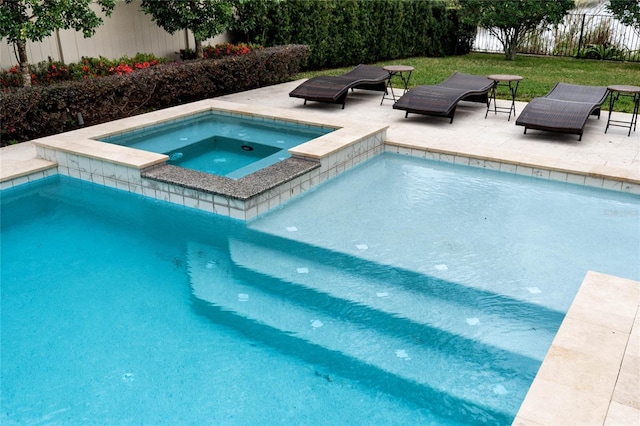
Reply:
x=224, y=156
x=366, y=301
x=230, y=146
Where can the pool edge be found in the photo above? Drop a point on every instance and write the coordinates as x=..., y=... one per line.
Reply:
x=589, y=375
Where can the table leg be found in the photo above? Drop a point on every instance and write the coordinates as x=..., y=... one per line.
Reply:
x=385, y=95
x=631, y=125
x=611, y=103
x=514, y=93
x=634, y=116
x=492, y=96
x=405, y=81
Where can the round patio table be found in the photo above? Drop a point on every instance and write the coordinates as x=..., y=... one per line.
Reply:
x=507, y=80
x=616, y=92
x=402, y=71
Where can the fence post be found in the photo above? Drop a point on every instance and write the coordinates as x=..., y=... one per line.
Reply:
x=581, y=34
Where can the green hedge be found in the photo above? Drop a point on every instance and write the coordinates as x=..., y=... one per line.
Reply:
x=348, y=32
x=33, y=112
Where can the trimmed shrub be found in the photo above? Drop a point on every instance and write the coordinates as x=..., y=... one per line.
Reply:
x=53, y=72
x=220, y=51
x=347, y=32
x=33, y=112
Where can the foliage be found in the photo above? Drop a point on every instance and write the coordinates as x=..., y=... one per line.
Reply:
x=220, y=51
x=205, y=18
x=228, y=49
x=591, y=37
x=348, y=32
x=511, y=20
x=626, y=11
x=36, y=19
x=51, y=72
x=603, y=52
x=37, y=111
x=33, y=20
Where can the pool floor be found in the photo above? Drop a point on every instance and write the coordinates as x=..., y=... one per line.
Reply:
x=224, y=156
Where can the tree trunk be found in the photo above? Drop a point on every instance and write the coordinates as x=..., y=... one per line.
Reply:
x=511, y=47
x=23, y=65
x=199, y=51
x=510, y=53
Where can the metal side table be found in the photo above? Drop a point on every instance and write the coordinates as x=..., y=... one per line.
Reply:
x=507, y=80
x=630, y=91
x=402, y=71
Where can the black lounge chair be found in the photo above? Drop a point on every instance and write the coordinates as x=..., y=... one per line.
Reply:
x=441, y=99
x=334, y=89
x=565, y=109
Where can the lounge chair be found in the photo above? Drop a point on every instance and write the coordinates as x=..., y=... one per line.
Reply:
x=565, y=109
x=441, y=99
x=334, y=89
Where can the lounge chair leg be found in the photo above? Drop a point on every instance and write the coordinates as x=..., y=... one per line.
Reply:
x=406, y=114
x=580, y=138
x=305, y=102
x=525, y=130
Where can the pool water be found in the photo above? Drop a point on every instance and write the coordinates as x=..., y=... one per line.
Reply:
x=213, y=138
x=222, y=156
x=364, y=301
x=524, y=237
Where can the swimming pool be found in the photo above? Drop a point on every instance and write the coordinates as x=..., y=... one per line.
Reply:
x=358, y=301
x=212, y=142
x=80, y=154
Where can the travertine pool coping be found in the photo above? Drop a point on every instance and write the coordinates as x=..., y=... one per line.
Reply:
x=591, y=374
x=84, y=141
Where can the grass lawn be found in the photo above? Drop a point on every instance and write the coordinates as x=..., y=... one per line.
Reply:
x=540, y=72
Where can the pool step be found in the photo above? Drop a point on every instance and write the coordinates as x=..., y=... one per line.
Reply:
x=486, y=318
x=441, y=374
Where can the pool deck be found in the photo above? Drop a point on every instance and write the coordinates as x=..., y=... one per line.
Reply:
x=592, y=369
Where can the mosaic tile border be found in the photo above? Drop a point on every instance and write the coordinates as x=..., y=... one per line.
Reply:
x=519, y=169
x=29, y=177
x=113, y=175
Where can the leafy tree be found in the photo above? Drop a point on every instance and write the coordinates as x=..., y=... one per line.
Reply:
x=33, y=20
x=626, y=11
x=510, y=20
x=205, y=18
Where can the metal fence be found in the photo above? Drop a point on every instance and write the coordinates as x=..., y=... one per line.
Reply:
x=579, y=35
